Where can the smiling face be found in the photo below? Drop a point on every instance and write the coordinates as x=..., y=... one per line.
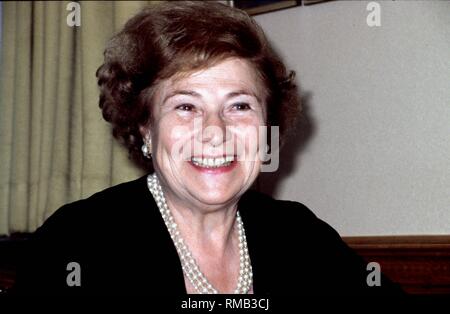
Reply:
x=204, y=134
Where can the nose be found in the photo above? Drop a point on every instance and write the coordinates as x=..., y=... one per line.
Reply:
x=214, y=130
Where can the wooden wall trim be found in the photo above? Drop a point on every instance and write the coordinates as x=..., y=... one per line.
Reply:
x=420, y=264
x=414, y=241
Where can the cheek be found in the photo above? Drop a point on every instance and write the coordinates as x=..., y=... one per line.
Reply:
x=173, y=136
x=248, y=141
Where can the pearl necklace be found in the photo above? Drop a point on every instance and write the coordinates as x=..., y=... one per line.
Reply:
x=188, y=264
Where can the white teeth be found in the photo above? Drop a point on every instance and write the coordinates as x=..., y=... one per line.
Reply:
x=219, y=161
x=212, y=162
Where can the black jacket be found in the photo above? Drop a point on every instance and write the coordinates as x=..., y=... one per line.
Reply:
x=119, y=239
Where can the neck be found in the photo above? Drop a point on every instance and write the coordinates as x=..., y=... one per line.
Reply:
x=204, y=229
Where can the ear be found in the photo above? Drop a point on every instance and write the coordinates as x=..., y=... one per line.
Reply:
x=146, y=135
x=144, y=131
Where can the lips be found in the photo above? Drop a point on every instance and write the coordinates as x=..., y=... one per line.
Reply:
x=212, y=162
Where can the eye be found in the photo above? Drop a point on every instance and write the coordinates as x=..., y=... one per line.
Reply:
x=241, y=106
x=185, y=107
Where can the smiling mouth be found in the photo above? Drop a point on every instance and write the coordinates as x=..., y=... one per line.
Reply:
x=213, y=162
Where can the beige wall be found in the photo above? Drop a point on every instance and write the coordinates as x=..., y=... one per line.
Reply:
x=377, y=160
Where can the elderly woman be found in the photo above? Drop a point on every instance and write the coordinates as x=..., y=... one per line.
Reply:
x=187, y=87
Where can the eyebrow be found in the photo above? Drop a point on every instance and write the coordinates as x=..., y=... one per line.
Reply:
x=181, y=92
x=195, y=94
x=243, y=92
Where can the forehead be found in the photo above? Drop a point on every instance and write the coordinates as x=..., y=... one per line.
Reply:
x=223, y=76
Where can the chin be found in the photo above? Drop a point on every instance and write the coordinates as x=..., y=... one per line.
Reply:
x=216, y=197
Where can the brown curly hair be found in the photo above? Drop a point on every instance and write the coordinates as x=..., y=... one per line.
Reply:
x=175, y=37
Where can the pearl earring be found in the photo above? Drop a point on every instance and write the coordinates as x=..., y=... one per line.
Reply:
x=145, y=151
